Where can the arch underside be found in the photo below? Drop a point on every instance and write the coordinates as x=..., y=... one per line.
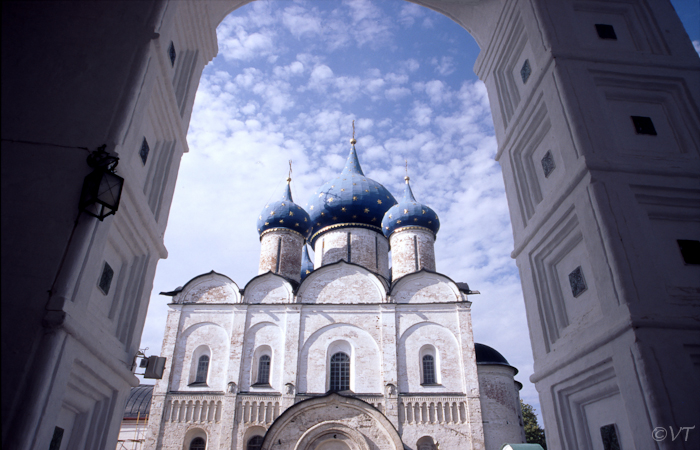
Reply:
x=332, y=422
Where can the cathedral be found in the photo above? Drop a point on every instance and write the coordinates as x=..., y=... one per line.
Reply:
x=345, y=352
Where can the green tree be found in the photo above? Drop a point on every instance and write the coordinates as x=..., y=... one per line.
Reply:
x=534, y=434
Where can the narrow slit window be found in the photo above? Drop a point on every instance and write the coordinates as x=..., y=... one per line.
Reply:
x=106, y=278
x=172, y=54
x=690, y=250
x=264, y=370
x=577, y=282
x=605, y=31
x=143, y=152
x=202, y=369
x=643, y=125
x=197, y=444
x=525, y=71
x=340, y=372
x=608, y=434
x=428, y=369
x=255, y=443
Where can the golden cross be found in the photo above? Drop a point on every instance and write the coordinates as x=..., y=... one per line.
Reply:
x=290, y=170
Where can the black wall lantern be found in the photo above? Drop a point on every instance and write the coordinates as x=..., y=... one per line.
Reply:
x=101, y=188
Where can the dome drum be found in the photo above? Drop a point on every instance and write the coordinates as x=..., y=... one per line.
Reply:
x=412, y=249
x=362, y=246
x=280, y=253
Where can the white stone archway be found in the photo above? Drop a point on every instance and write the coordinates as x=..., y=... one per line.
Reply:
x=599, y=150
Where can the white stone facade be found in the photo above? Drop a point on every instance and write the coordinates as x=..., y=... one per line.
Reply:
x=385, y=330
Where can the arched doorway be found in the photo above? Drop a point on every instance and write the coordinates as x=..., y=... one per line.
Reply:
x=333, y=422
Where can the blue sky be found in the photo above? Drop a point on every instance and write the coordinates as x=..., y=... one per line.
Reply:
x=289, y=80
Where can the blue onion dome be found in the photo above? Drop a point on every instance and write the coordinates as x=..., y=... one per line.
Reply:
x=284, y=214
x=409, y=213
x=307, y=266
x=349, y=200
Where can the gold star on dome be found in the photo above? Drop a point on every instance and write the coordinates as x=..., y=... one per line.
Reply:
x=330, y=200
x=405, y=211
x=267, y=223
x=429, y=222
x=374, y=219
x=272, y=213
x=387, y=228
x=354, y=197
x=379, y=201
x=335, y=218
x=311, y=207
x=354, y=184
x=320, y=195
x=323, y=214
x=308, y=271
x=332, y=186
x=342, y=190
x=318, y=223
x=281, y=221
x=296, y=224
x=435, y=216
x=398, y=222
x=423, y=211
x=291, y=213
x=415, y=219
x=354, y=216
x=343, y=209
x=390, y=216
x=366, y=190
x=366, y=210
x=267, y=206
x=282, y=204
x=260, y=218
x=305, y=219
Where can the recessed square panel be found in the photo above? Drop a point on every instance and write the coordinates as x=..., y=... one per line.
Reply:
x=605, y=31
x=525, y=71
x=577, y=282
x=690, y=250
x=548, y=163
x=106, y=278
x=643, y=125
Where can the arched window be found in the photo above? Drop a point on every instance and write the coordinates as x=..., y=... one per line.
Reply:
x=197, y=443
x=340, y=372
x=428, y=369
x=255, y=443
x=264, y=370
x=202, y=370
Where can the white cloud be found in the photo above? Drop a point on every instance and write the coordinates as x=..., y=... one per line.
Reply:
x=397, y=93
x=409, y=13
x=443, y=65
x=300, y=21
x=421, y=114
x=245, y=46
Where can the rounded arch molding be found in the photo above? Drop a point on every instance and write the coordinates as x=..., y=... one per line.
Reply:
x=472, y=21
x=332, y=416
